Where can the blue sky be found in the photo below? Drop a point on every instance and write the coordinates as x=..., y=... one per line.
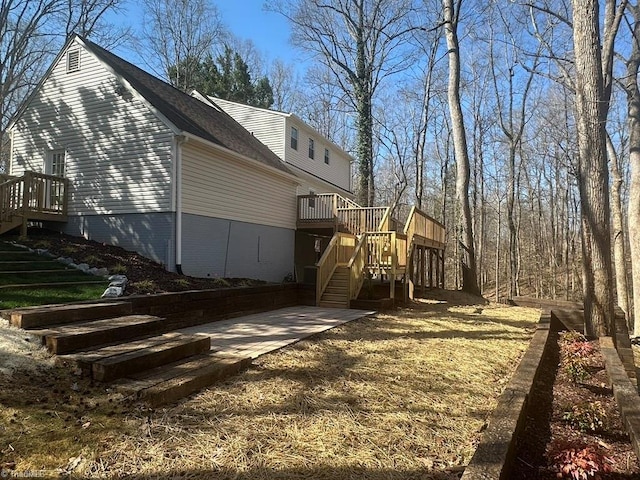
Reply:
x=246, y=19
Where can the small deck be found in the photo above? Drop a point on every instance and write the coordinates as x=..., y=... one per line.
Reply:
x=32, y=197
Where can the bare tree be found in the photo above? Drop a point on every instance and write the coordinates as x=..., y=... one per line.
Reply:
x=464, y=221
x=633, y=113
x=513, y=69
x=178, y=35
x=593, y=84
x=361, y=42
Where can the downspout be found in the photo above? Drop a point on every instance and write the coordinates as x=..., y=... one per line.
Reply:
x=179, y=141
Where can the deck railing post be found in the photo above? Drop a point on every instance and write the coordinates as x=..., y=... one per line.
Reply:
x=26, y=194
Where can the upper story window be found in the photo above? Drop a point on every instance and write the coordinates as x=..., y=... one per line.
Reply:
x=326, y=156
x=73, y=61
x=312, y=153
x=294, y=138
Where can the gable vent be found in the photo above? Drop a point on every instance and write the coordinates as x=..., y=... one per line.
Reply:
x=73, y=61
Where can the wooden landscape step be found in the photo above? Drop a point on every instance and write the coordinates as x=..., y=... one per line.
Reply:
x=37, y=317
x=78, y=336
x=571, y=319
x=175, y=381
x=116, y=361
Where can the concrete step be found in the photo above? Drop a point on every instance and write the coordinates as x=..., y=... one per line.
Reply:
x=80, y=336
x=38, y=317
x=117, y=361
x=172, y=382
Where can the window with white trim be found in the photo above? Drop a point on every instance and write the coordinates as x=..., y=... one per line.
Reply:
x=312, y=152
x=294, y=138
x=326, y=156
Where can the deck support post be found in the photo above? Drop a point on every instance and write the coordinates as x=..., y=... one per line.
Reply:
x=442, y=268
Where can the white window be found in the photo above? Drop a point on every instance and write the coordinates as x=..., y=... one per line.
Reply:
x=326, y=156
x=73, y=61
x=55, y=163
x=311, y=149
x=294, y=138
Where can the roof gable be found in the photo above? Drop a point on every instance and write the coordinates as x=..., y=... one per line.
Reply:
x=183, y=112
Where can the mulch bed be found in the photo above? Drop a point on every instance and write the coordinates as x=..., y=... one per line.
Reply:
x=145, y=275
x=575, y=430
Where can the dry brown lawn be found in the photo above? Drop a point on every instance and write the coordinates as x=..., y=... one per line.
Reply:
x=395, y=396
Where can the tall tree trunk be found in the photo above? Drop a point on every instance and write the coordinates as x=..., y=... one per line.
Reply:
x=633, y=113
x=463, y=171
x=593, y=170
x=619, y=249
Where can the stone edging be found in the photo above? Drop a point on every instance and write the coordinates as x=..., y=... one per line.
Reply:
x=625, y=393
x=494, y=455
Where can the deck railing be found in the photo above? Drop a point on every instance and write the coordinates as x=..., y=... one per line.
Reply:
x=362, y=219
x=356, y=266
x=33, y=196
x=429, y=229
x=11, y=198
x=45, y=194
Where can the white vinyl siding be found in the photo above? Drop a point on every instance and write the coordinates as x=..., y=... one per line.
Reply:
x=218, y=185
x=336, y=172
x=118, y=153
x=266, y=126
x=274, y=130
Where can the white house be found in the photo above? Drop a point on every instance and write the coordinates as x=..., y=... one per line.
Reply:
x=158, y=171
x=321, y=165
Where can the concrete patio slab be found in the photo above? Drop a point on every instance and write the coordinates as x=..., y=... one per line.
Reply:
x=255, y=335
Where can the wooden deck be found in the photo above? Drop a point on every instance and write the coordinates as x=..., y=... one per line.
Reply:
x=367, y=241
x=32, y=197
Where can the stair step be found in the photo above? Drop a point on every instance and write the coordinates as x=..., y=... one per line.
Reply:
x=332, y=304
x=116, y=361
x=175, y=381
x=78, y=336
x=335, y=290
x=335, y=297
x=36, y=317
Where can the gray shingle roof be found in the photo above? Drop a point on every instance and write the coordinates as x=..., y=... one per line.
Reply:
x=188, y=113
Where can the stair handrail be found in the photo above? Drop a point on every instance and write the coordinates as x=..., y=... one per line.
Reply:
x=338, y=251
x=384, y=222
x=356, y=266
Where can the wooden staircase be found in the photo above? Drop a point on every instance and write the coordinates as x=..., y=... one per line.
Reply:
x=336, y=294
x=367, y=241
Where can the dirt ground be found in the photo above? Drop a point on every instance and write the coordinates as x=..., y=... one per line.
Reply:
x=401, y=395
x=145, y=275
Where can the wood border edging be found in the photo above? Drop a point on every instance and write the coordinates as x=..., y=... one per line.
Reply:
x=495, y=453
x=625, y=393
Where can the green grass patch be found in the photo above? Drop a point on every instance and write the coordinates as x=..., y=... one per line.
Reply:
x=27, y=266
x=7, y=247
x=20, y=256
x=24, y=297
x=27, y=277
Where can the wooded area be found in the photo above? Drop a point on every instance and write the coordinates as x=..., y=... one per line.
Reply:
x=515, y=123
